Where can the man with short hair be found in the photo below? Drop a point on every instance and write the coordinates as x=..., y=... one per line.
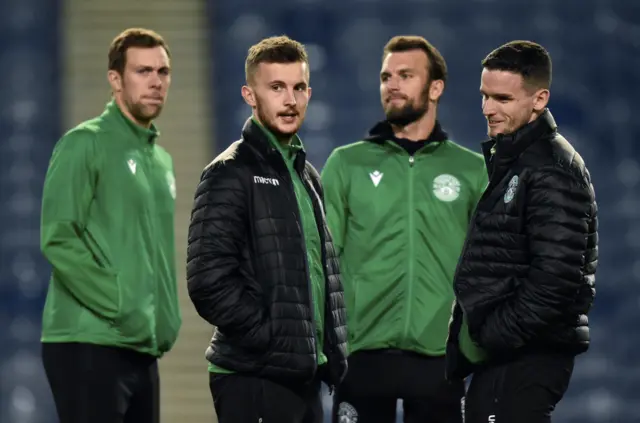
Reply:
x=107, y=230
x=398, y=206
x=526, y=280
x=261, y=264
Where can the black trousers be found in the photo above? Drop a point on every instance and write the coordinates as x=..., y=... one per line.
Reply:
x=377, y=379
x=247, y=399
x=525, y=390
x=98, y=384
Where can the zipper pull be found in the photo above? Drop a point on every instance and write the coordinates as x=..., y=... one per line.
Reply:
x=411, y=160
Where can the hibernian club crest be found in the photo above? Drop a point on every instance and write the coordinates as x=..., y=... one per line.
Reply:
x=347, y=413
x=511, y=189
x=446, y=187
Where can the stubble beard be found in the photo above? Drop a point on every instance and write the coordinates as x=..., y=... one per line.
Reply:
x=139, y=112
x=410, y=112
x=271, y=126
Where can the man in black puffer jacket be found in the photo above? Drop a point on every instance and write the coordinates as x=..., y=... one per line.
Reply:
x=261, y=265
x=525, y=281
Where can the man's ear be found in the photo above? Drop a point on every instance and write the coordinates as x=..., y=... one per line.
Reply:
x=540, y=100
x=248, y=95
x=436, y=89
x=115, y=81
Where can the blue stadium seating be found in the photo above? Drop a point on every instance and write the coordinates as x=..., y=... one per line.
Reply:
x=595, y=46
x=29, y=126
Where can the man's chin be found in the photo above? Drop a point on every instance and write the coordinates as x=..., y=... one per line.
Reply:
x=286, y=130
x=404, y=117
x=149, y=113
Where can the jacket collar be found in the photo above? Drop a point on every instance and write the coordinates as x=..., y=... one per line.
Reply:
x=506, y=148
x=382, y=131
x=146, y=136
x=258, y=137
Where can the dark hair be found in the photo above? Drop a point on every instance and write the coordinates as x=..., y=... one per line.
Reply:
x=526, y=58
x=281, y=49
x=437, y=65
x=132, y=37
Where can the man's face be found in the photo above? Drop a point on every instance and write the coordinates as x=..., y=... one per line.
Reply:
x=145, y=83
x=279, y=94
x=404, y=86
x=507, y=103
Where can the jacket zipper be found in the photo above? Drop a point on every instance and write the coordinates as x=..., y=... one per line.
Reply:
x=312, y=308
x=323, y=251
x=409, y=297
x=152, y=183
x=298, y=217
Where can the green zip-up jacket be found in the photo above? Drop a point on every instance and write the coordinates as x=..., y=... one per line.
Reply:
x=311, y=238
x=399, y=222
x=107, y=229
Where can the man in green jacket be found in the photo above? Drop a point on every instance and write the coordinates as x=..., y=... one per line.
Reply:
x=398, y=207
x=107, y=230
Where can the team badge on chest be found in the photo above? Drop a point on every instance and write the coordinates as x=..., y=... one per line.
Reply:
x=511, y=189
x=446, y=187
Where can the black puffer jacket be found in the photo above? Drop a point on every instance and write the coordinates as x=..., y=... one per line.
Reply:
x=526, y=276
x=246, y=266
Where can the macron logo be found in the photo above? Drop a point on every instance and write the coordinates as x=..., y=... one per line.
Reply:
x=268, y=181
x=376, y=177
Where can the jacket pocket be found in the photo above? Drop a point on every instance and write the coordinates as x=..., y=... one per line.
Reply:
x=136, y=320
x=256, y=340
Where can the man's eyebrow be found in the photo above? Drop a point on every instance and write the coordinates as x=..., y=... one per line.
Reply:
x=497, y=95
x=147, y=67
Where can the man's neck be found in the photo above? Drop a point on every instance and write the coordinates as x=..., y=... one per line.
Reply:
x=284, y=141
x=418, y=130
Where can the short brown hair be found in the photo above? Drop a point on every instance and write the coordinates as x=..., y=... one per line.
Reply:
x=133, y=37
x=281, y=49
x=526, y=58
x=437, y=65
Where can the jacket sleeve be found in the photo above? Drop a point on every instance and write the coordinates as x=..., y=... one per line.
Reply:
x=335, y=197
x=559, y=207
x=68, y=192
x=222, y=294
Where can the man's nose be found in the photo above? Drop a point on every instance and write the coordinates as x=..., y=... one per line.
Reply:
x=156, y=81
x=290, y=98
x=488, y=107
x=393, y=84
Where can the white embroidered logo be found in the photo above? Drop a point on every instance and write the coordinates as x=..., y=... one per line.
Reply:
x=446, y=187
x=511, y=189
x=267, y=181
x=347, y=413
x=171, y=181
x=376, y=177
x=132, y=165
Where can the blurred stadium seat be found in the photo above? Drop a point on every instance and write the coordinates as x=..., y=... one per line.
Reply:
x=595, y=46
x=29, y=126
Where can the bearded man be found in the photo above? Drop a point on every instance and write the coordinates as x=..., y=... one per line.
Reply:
x=398, y=207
